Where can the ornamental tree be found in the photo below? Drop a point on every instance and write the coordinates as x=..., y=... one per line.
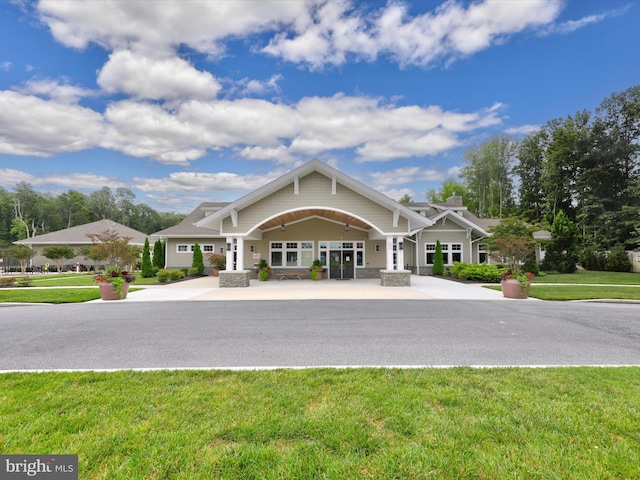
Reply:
x=114, y=249
x=58, y=254
x=23, y=254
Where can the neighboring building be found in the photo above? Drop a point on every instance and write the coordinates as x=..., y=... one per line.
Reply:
x=318, y=212
x=76, y=238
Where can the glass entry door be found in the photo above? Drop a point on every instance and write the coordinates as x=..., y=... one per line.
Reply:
x=341, y=264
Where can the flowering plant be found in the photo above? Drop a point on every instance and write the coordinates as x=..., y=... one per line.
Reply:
x=522, y=277
x=116, y=278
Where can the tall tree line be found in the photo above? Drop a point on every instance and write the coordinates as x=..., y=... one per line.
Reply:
x=25, y=213
x=585, y=165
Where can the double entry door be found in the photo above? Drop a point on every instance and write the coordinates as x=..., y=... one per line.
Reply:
x=341, y=264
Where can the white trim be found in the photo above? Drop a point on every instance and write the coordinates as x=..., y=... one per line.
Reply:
x=336, y=176
x=448, y=252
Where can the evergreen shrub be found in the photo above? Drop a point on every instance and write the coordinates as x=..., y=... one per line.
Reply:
x=438, y=260
x=618, y=260
x=176, y=274
x=163, y=275
x=476, y=272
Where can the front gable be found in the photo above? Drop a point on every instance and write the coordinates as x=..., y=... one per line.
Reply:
x=314, y=190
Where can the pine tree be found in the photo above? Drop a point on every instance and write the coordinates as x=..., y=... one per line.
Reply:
x=147, y=268
x=438, y=260
x=198, y=260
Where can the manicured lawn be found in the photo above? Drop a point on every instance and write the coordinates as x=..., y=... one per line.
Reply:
x=584, y=292
x=49, y=295
x=581, y=292
x=320, y=423
x=82, y=280
x=589, y=277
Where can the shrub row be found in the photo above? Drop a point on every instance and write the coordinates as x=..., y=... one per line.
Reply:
x=476, y=272
x=616, y=260
x=173, y=275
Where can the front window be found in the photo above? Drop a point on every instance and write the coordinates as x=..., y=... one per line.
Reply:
x=451, y=252
x=483, y=254
x=292, y=254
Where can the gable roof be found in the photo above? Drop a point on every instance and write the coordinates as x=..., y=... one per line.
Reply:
x=187, y=227
x=416, y=220
x=78, y=235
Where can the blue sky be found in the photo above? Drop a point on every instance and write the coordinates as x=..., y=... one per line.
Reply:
x=191, y=101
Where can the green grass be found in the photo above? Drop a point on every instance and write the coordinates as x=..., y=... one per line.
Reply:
x=49, y=295
x=589, y=277
x=82, y=280
x=559, y=423
x=581, y=292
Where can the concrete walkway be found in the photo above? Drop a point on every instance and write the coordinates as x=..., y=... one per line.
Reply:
x=207, y=289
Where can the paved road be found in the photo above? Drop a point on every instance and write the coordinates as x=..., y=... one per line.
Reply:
x=300, y=333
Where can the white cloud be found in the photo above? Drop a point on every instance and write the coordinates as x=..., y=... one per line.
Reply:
x=328, y=35
x=401, y=176
x=46, y=87
x=314, y=32
x=5, y=66
x=523, y=129
x=201, y=25
x=32, y=126
x=398, y=193
x=167, y=78
x=10, y=177
x=571, y=26
x=203, y=182
x=250, y=87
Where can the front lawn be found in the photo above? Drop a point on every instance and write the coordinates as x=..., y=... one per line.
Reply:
x=581, y=292
x=321, y=423
x=49, y=295
x=82, y=280
x=589, y=277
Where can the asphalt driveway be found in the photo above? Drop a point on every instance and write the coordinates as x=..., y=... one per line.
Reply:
x=301, y=333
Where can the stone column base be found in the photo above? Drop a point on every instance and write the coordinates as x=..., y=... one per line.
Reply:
x=395, y=278
x=233, y=278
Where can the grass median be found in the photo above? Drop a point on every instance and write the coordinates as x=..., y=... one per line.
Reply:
x=321, y=423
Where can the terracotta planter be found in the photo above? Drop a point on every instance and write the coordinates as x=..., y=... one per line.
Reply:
x=215, y=272
x=108, y=291
x=511, y=288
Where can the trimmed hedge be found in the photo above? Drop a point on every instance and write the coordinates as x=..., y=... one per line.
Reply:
x=479, y=272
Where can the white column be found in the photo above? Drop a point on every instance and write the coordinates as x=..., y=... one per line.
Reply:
x=400, y=253
x=229, y=247
x=240, y=256
x=389, y=253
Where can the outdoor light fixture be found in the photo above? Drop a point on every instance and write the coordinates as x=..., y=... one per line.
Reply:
x=347, y=227
x=400, y=245
x=228, y=247
x=282, y=228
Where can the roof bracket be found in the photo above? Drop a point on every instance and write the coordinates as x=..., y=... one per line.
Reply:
x=396, y=217
x=296, y=185
x=234, y=217
x=333, y=184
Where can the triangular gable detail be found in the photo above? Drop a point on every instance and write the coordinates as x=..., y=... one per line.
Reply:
x=415, y=219
x=460, y=220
